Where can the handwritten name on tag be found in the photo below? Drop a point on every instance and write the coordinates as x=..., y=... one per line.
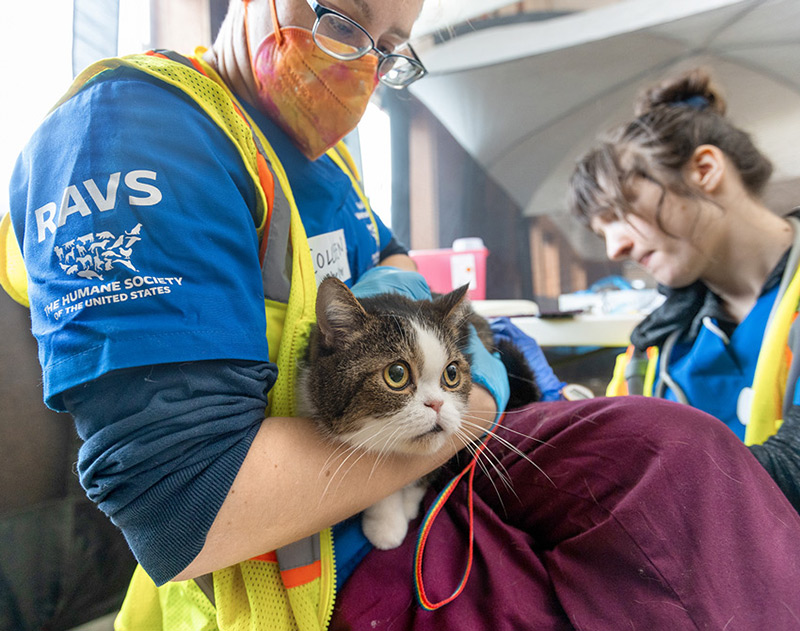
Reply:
x=329, y=254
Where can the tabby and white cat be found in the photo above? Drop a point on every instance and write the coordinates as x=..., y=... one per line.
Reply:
x=389, y=374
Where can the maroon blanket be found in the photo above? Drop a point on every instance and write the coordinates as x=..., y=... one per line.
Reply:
x=645, y=515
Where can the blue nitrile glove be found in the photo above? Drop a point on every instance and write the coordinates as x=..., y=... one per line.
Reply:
x=548, y=383
x=391, y=280
x=488, y=371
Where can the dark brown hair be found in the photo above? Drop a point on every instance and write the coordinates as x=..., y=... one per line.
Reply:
x=673, y=118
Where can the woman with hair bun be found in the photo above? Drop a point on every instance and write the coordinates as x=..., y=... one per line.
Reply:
x=678, y=190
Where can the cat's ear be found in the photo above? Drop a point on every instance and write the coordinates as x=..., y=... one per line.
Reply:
x=339, y=314
x=455, y=304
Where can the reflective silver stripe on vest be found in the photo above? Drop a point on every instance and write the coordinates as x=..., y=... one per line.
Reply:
x=299, y=553
x=635, y=371
x=206, y=585
x=276, y=277
x=276, y=269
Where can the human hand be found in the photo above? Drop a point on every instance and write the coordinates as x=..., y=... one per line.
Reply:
x=488, y=371
x=384, y=279
x=548, y=383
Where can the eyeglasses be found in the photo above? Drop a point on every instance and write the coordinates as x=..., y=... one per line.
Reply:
x=345, y=39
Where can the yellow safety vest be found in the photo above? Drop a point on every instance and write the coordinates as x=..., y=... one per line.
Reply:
x=770, y=379
x=630, y=365
x=293, y=587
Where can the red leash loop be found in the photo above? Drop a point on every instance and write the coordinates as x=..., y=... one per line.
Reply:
x=427, y=525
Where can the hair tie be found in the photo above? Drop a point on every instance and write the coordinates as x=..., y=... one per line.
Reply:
x=695, y=102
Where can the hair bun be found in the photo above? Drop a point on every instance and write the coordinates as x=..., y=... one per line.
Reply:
x=693, y=88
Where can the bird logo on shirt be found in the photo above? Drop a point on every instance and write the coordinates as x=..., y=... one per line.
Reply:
x=94, y=254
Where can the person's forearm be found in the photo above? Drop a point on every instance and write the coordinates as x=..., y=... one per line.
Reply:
x=291, y=485
x=400, y=261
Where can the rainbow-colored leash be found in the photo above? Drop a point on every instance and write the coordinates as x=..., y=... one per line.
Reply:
x=427, y=525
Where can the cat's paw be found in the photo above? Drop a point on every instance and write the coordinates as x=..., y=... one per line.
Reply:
x=385, y=532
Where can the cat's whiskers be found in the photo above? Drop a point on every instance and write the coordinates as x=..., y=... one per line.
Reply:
x=361, y=454
x=466, y=441
x=500, y=469
x=511, y=446
x=340, y=449
x=512, y=430
x=349, y=448
x=370, y=443
x=349, y=451
x=493, y=461
x=386, y=449
x=476, y=456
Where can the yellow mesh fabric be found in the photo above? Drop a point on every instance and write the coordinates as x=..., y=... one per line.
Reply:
x=250, y=596
x=141, y=608
x=303, y=601
x=183, y=607
x=772, y=370
x=301, y=309
x=13, y=277
x=276, y=314
x=309, y=609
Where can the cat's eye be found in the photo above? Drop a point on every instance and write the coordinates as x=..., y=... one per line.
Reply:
x=397, y=375
x=451, y=376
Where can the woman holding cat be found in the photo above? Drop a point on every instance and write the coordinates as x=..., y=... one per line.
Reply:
x=192, y=192
x=678, y=191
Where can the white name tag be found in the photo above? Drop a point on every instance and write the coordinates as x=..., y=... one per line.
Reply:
x=329, y=254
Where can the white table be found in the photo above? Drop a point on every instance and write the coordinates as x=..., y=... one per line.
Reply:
x=576, y=330
x=580, y=330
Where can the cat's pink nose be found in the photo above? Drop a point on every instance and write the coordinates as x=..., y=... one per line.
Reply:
x=436, y=404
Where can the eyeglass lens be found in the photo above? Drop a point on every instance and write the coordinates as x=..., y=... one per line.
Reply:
x=396, y=70
x=342, y=38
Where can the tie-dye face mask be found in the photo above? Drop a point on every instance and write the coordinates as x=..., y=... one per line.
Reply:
x=314, y=98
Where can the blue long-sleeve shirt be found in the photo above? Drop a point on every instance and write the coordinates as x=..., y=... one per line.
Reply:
x=162, y=446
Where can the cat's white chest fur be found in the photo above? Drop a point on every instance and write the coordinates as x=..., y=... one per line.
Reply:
x=385, y=523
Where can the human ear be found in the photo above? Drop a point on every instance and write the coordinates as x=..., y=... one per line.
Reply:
x=706, y=168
